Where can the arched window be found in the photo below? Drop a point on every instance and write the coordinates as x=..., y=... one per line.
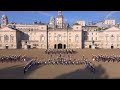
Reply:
x=76, y=38
x=42, y=38
x=11, y=38
x=6, y=38
x=59, y=38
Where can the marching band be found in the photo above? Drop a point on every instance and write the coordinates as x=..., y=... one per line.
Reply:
x=106, y=58
x=13, y=58
x=60, y=57
x=60, y=61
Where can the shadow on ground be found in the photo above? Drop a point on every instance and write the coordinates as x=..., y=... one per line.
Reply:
x=14, y=72
x=85, y=74
x=31, y=70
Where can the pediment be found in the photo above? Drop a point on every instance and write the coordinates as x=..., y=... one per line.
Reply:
x=7, y=29
x=112, y=29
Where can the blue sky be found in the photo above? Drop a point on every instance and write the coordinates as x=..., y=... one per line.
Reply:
x=70, y=16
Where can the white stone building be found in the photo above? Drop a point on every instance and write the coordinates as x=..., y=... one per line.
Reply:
x=58, y=35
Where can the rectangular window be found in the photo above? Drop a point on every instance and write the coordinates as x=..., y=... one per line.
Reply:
x=34, y=45
x=64, y=37
x=92, y=38
x=35, y=33
x=55, y=38
x=50, y=38
x=0, y=45
x=11, y=45
x=0, y=38
x=11, y=38
x=96, y=38
x=69, y=40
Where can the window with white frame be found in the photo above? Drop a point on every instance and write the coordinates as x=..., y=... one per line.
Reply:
x=50, y=38
x=41, y=27
x=11, y=38
x=42, y=38
x=12, y=45
x=59, y=38
x=69, y=38
x=96, y=38
x=0, y=38
x=76, y=38
x=55, y=38
x=92, y=38
x=65, y=38
x=6, y=38
x=0, y=45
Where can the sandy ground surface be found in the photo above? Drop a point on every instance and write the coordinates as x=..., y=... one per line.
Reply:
x=104, y=70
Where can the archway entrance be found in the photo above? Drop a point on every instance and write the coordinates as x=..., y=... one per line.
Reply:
x=55, y=46
x=29, y=46
x=112, y=47
x=64, y=46
x=59, y=46
x=6, y=47
x=90, y=46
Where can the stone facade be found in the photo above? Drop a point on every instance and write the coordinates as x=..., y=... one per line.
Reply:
x=58, y=35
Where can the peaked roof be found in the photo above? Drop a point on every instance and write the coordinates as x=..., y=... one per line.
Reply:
x=112, y=29
x=7, y=29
